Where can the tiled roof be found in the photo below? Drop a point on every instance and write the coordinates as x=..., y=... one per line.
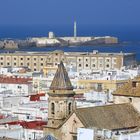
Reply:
x=37, y=125
x=15, y=80
x=61, y=79
x=112, y=117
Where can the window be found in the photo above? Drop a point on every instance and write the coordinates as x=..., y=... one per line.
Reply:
x=107, y=60
x=69, y=108
x=99, y=87
x=19, y=87
x=52, y=108
x=34, y=64
x=130, y=100
x=15, y=58
x=28, y=58
x=86, y=60
x=86, y=65
x=34, y=69
x=101, y=65
x=107, y=65
x=34, y=58
x=134, y=84
x=28, y=64
x=1, y=63
x=74, y=137
x=114, y=60
x=8, y=64
x=21, y=64
x=1, y=58
x=3, y=86
x=93, y=65
x=80, y=65
x=8, y=58
x=41, y=64
x=79, y=60
x=15, y=64
x=21, y=58
x=41, y=59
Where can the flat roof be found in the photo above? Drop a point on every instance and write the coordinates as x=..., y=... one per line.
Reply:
x=20, y=53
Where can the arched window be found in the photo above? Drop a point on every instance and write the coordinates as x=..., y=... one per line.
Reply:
x=69, y=108
x=52, y=108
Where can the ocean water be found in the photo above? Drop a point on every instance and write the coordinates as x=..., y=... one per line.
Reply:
x=129, y=36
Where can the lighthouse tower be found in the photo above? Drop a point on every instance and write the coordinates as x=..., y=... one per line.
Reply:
x=75, y=29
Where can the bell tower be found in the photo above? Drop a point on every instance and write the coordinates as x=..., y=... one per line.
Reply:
x=61, y=98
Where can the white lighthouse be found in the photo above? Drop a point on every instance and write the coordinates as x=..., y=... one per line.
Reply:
x=75, y=29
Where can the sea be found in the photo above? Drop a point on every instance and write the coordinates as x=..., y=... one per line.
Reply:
x=129, y=36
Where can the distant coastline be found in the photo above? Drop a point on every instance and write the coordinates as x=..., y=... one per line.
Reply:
x=58, y=42
x=53, y=40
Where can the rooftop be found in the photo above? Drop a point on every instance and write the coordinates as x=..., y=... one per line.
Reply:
x=131, y=88
x=21, y=53
x=112, y=117
x=14, y=80
x=61, y=79
x=37, y=125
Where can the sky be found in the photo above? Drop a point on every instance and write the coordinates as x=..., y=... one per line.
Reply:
x=64, y=12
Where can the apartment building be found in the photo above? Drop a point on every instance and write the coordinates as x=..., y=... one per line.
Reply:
x=77, y=61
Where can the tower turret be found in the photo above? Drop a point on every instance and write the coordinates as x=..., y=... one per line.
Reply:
x=61, y=97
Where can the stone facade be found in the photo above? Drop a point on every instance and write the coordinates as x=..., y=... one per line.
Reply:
x=129, y=93
x=61, y=102
x=135, y=101
x=78, y=60
x=107, y=122
x=68, y=130
x=63, y=107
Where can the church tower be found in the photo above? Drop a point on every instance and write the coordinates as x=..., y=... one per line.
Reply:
x=61, y=98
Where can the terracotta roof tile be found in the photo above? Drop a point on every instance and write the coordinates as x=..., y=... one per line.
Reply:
x=15, y=80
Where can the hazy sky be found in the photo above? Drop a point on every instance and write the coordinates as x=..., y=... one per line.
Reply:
x=64, y=12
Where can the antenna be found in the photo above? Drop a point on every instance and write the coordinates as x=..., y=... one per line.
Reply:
x=75, y=29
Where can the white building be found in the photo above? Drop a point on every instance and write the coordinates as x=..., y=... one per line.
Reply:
x=17, y=86
x=22, y=131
